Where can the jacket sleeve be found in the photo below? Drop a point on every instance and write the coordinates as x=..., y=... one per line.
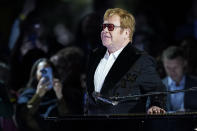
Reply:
x=150, y=82
x=33, y=104
x=26, y=113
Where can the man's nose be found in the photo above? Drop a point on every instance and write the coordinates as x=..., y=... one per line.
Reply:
x=173, y=70
x=106, y=29
x=173, y=73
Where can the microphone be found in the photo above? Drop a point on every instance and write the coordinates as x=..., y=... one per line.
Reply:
x=115, y=100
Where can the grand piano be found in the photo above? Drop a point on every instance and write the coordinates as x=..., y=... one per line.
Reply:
x=170, y=121
x=179, y=121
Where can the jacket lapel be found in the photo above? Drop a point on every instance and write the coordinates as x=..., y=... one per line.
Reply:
x=94, y=61
x=123, y=63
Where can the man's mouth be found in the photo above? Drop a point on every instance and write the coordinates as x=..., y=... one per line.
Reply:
x=105, y=36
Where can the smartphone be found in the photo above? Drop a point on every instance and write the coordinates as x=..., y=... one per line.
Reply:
x=48, y=74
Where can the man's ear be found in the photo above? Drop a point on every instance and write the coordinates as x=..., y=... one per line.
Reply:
x=127, y=32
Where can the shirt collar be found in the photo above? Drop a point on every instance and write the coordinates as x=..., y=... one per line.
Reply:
x=173, y=83
x=114, y=54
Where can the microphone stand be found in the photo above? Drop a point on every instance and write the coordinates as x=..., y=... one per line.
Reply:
x=119, y=99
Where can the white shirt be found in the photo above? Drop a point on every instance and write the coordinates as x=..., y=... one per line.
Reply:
x=103, y=68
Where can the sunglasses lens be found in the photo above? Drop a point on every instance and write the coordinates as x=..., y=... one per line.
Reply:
x=110, y=27
x=104, y=26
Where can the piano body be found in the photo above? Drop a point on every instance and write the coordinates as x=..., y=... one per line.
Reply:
x=179, y=121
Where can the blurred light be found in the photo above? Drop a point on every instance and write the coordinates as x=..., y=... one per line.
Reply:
x=37, y=26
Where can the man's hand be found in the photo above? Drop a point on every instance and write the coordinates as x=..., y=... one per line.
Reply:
x=156, y=110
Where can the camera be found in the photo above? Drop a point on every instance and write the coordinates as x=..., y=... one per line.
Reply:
x=48, y=74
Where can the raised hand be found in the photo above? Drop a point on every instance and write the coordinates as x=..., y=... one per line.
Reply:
x=42, y=87
x=57, y=87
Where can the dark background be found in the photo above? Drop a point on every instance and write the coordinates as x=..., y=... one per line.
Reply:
x=167, y=13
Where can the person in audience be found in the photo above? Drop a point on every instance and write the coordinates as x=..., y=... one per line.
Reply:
x=175, y=64
x=41, y=98
x=70, y=65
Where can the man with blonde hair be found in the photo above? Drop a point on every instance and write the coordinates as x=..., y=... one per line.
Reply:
x=118, y=71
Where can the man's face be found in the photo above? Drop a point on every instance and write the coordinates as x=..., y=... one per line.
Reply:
x=174, y=68
x=115, y=38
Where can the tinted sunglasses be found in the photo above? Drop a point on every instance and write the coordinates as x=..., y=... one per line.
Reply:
x=109, y=26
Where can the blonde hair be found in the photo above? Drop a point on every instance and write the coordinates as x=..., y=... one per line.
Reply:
x=127, y=20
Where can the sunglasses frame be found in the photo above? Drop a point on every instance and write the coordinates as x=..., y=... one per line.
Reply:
x=108, y=26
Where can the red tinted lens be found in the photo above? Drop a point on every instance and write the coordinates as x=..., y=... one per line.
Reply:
x=104, y=26
x=110, y=27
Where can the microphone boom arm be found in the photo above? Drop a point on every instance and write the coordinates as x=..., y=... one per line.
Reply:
x=116, y=100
